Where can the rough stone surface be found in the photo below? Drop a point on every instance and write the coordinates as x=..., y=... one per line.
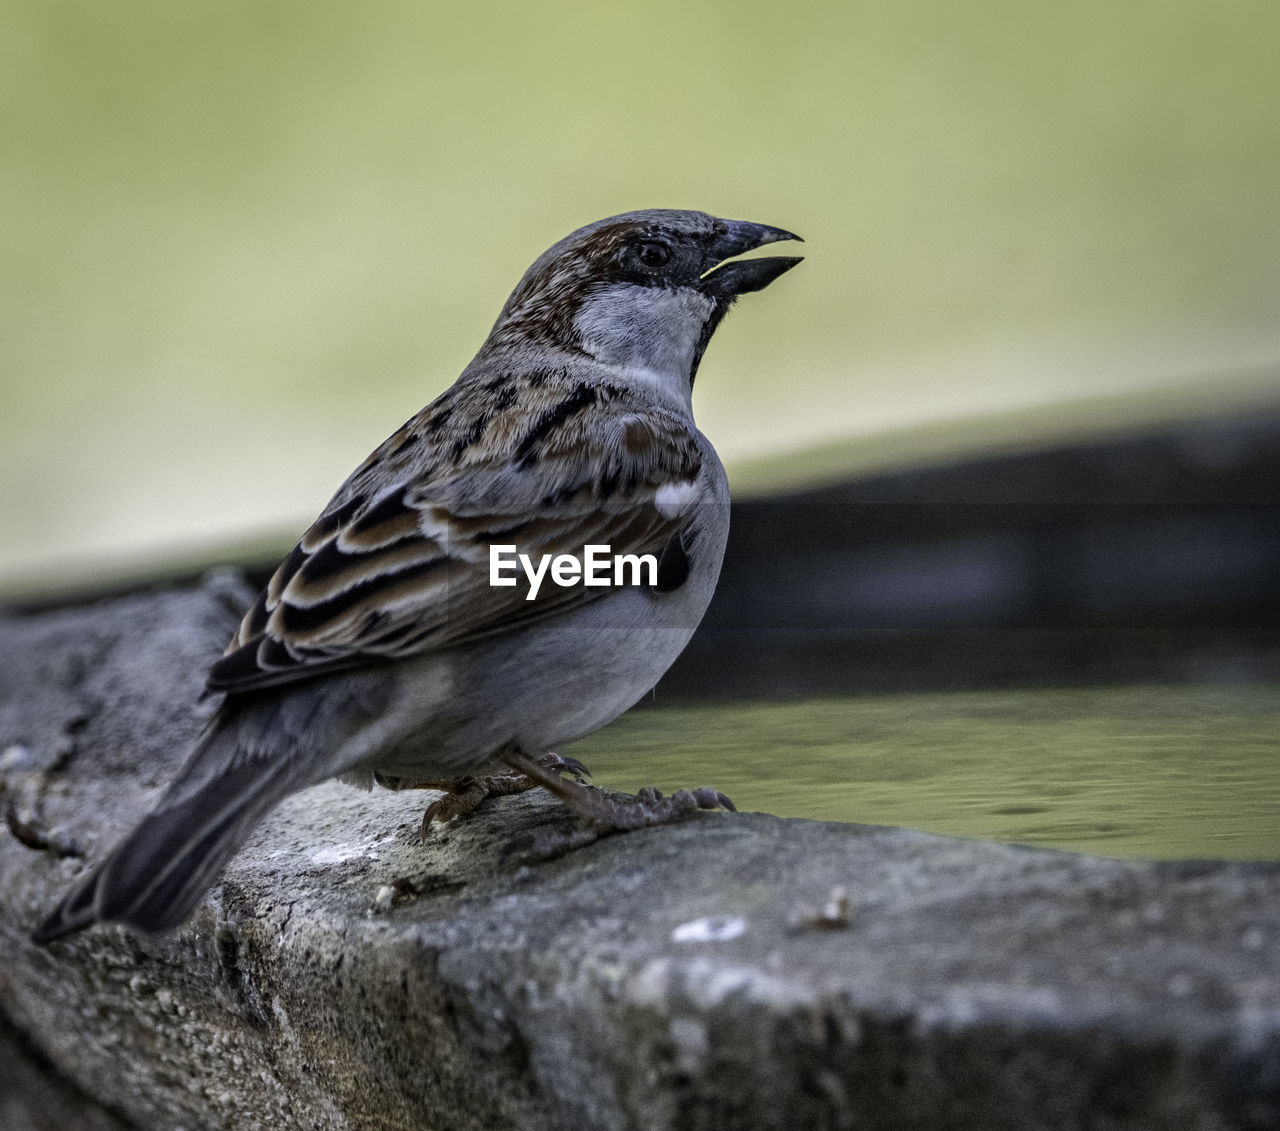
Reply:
x=34, y=1097
x=671, y=978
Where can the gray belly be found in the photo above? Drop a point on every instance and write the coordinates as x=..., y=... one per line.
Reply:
x=550, y=683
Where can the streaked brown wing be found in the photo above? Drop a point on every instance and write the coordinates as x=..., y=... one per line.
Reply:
x=406, y=570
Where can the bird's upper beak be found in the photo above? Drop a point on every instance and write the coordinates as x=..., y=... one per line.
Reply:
x=728, y=280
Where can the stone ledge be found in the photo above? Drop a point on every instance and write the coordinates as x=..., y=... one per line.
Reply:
x=975, y=984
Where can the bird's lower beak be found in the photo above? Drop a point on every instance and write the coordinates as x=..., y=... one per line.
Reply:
x=728, y=280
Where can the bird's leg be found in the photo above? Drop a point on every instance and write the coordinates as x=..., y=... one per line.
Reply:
x=599, y=813
x=463, y=795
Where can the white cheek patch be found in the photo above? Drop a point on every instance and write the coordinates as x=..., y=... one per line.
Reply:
x=650, y=332
x=673, y=499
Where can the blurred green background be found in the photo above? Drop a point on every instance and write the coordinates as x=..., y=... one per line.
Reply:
x=244, y=241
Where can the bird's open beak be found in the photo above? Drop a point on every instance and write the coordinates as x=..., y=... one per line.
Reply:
x=728, y=280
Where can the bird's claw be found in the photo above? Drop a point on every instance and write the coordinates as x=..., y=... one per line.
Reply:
x=463, y=796
x=603, y=815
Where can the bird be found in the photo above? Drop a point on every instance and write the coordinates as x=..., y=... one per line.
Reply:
x=381, y=650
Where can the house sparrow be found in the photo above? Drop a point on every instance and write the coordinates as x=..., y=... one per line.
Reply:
x=382, y=648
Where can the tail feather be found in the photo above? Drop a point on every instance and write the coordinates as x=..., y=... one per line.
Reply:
x=155, y=877
x=257, y=749
x=73, y=914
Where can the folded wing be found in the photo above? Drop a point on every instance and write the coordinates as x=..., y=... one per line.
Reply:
x=395, y=571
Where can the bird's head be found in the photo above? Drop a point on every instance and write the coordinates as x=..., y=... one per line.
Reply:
x=642, y=292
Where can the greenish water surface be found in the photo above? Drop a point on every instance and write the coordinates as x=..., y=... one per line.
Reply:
x=1160, y=772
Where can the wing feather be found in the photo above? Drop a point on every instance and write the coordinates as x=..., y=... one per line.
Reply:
x=389, y=573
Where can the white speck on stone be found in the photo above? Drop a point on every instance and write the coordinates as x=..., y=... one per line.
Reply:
x=341, y=853
x=712, y=928
x=336, y=854
x=14, y=756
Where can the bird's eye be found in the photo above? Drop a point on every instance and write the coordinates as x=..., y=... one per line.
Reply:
x=653, y=255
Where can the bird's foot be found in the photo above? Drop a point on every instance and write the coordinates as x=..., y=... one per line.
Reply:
x=602, y=815
x=461, y=796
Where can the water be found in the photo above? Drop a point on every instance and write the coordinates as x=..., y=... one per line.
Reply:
x=1158, y=772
